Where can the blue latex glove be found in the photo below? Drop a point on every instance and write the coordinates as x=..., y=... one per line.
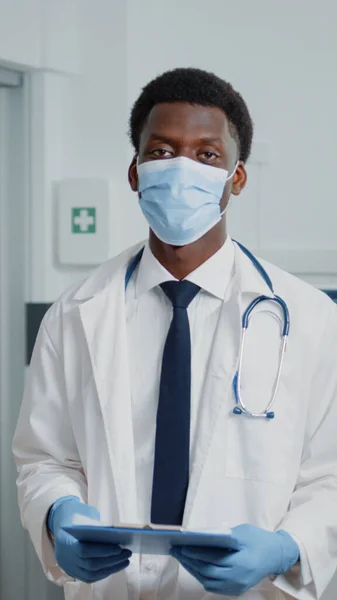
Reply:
x=81, y=560
x=233, y=572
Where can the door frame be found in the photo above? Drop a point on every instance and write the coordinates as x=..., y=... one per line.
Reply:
x=13, y=241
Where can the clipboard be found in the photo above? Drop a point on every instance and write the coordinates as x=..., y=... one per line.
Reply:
x=151, y=539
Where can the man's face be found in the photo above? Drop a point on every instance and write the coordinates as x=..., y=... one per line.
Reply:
x=200, y=133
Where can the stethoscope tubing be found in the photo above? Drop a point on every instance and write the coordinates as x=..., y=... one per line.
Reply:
x=241, y=407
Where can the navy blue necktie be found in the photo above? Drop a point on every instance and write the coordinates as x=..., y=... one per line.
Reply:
x=172, y=446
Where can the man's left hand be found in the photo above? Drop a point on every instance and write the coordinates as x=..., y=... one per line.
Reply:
x=261, y=554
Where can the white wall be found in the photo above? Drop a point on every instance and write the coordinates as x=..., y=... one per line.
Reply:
x=40, y=33
x=20, y=31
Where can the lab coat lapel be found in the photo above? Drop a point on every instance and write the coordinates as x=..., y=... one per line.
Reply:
x=104, y=324
x=217, y=394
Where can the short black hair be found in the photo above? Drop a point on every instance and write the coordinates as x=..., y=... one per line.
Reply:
x=194, y=86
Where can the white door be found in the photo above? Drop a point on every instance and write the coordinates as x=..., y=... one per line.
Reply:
x=21, y=576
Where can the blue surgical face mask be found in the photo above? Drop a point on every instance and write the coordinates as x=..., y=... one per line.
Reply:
x=180, y=198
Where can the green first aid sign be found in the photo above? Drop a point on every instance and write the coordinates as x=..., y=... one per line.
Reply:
x=83, y=220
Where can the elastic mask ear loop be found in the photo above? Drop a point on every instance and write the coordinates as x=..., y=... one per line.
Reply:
x=228, y=179
x=137, y=165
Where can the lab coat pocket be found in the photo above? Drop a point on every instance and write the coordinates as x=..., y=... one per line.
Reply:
x=75, y=590
x=258, y=448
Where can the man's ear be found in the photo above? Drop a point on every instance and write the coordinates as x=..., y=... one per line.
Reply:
x=133, y=175
x=239, y=179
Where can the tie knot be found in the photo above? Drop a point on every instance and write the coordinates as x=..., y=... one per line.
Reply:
x=181, y=293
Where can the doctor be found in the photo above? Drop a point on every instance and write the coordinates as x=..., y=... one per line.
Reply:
x=128, y=411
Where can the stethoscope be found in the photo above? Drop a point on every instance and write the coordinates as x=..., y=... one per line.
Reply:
x=240, y=407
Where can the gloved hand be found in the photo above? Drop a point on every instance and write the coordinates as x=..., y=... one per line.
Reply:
x=87, y=562
x=232, y=572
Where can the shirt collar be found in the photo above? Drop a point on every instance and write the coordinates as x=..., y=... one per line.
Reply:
x=213, y=276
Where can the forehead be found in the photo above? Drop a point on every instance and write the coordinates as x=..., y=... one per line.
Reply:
x=181, y=120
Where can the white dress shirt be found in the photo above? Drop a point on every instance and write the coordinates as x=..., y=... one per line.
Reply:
x=149, y=313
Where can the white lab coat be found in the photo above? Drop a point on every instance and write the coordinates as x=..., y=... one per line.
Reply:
x=75, y=437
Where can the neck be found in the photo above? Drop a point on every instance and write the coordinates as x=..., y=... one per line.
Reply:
x=180, y=261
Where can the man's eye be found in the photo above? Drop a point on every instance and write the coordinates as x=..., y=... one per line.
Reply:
x=209, y=155
x=160, y=153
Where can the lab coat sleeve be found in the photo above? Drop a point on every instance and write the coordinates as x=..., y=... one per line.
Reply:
x=312, y=514
x=45, y=450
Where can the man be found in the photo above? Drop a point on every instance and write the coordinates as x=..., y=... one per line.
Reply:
x=128, y=412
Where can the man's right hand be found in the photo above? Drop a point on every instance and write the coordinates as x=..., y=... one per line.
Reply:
x=88, y=562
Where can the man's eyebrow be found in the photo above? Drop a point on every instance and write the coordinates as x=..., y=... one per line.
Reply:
x=161, y=138
x=211, y=140
x=204, y=140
